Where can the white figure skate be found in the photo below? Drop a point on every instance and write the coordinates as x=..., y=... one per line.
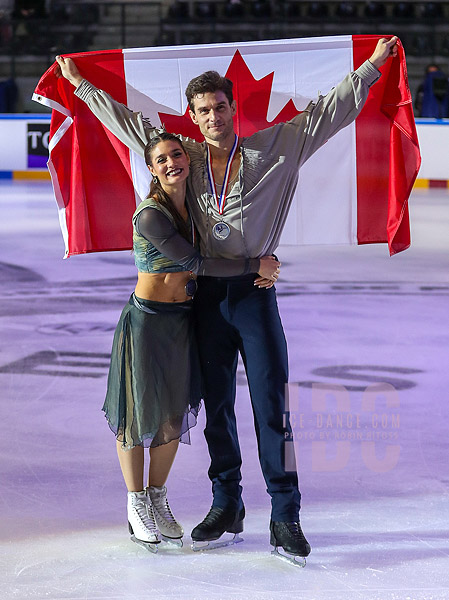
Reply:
x=170, y=529
x=141, y=522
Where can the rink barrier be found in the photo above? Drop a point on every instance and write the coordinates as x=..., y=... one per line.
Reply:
x=432, y=183
x=45, y=175
x=26, y=153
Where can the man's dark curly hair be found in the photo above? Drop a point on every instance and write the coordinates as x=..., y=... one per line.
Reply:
x=210, y=81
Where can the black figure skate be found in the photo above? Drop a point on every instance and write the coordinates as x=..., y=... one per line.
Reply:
x=218, y=521
x=289, y=537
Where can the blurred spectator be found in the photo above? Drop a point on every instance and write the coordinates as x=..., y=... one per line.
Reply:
x=29, y=9
x=432, y=95
x=8, y=96
x=27, y=32
x=234, y=9
x=6, y=8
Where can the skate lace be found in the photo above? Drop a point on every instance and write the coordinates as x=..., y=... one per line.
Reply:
x=163, y=509
x=212, y=515
x=145, y=515
x=295, y=530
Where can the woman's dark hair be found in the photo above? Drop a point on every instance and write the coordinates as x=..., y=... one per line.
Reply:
x=210, y=81
x=156, y=190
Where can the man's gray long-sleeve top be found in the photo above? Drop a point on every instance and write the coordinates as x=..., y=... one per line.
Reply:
x=257, y=206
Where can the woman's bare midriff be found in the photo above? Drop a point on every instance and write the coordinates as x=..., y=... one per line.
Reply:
x=163, y=287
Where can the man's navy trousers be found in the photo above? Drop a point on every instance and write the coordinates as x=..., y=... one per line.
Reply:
x=233, y=315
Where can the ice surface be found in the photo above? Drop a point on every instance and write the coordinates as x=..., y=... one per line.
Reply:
x=368, y=340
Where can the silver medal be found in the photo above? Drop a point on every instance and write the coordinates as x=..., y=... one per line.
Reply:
x=221, y=231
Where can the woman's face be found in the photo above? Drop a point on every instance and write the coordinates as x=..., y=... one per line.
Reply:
x=169, y=163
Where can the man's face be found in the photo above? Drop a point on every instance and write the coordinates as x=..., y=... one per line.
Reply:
x=213, y=114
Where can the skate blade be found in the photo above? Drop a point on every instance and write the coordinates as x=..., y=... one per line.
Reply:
x=150, y=546
x=214, y=544
x=175, y=542
x=297, y=561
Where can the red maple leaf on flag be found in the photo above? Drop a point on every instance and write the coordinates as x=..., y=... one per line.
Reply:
x=252, y=97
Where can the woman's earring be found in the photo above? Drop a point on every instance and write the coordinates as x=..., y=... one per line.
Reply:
x=155, y=180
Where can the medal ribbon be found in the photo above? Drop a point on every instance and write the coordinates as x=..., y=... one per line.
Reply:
x=192, y=229
x=222, y=199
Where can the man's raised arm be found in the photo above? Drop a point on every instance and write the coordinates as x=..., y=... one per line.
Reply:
x=130, y=127
x=331, y=113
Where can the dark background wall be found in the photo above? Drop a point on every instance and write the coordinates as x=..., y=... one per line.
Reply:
x=33, y=31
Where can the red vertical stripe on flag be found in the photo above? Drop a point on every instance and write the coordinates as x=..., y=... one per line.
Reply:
x=388, y=157
x=99, y=177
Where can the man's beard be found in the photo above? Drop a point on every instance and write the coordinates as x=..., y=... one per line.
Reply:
x=216, y=136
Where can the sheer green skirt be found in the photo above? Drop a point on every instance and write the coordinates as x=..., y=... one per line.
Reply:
x=154, y=381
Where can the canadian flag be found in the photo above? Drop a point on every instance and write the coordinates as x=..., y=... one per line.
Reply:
x=354, y=190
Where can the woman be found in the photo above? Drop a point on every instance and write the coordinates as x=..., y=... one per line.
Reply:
x=154, y=381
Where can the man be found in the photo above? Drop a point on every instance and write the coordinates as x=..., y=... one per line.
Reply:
x=432, y=95
x=239, y=193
